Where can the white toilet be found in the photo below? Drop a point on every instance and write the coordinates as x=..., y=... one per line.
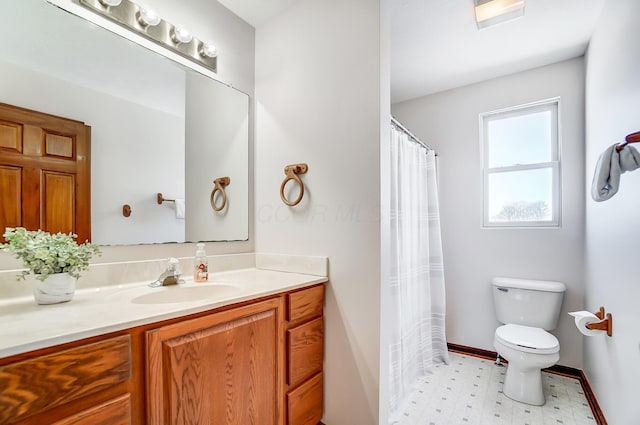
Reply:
x=528, y=308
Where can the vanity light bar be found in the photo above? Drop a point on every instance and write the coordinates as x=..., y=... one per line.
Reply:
x=144, y=21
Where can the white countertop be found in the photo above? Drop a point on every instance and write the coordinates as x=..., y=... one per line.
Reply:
x=96, y=311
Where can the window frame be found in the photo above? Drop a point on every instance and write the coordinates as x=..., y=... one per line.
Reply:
x=552, y=105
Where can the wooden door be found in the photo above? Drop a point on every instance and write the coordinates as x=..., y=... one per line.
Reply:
x=45, y=172
x=220, y=369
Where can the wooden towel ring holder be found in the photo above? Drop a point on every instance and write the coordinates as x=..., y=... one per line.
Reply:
x=218, y=186
x=291, y=172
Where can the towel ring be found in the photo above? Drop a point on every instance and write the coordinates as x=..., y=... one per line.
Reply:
x=218, y=185
x=291, y=172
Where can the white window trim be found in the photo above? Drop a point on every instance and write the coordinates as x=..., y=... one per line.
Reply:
x=554, y=165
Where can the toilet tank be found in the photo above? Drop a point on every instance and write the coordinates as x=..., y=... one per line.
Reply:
x=528, y=302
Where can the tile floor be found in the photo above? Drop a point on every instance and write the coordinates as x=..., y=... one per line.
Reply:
x=469, y=391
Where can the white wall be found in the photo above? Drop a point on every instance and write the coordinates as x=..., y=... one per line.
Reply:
x=612, y=364
x=448, y=121
x=319, y=101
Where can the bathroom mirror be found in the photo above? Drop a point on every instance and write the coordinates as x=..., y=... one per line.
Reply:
x=156, y=126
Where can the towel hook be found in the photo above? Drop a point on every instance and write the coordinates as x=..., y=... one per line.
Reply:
x=631, y=138
x=291, y=172
x=219, y=185
x=160, y=199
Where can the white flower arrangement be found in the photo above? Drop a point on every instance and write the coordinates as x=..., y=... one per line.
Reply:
x=44, y=254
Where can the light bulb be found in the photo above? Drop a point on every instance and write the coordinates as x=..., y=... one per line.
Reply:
x=109, y=3
x=208, y=50
x=147, y=16
x=181, y=35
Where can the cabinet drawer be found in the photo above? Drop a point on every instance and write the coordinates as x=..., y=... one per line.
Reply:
x=304, y=404
x=305, y=304
x=112, y=412
x=35, y=385
x=306, y=349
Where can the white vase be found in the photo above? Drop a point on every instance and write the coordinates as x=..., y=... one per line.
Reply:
x=56, y=288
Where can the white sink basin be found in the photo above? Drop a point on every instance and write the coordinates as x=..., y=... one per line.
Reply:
x=181, y=293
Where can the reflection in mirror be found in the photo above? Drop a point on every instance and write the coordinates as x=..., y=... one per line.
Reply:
x=156, y=126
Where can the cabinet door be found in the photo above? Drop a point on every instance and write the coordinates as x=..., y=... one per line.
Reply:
x=220, y=369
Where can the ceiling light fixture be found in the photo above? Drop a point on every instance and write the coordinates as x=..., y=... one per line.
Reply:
x=144, y=21
x=493, y=12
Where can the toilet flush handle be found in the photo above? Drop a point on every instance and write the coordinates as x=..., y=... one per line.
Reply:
x=503, y=289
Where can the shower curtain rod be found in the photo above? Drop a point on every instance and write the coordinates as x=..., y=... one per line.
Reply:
x=410, y=134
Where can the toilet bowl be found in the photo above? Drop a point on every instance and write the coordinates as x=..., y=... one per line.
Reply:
x=528, y=350
x=528, y=309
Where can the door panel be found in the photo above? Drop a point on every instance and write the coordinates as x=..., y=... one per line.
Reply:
x=10, y=197
x=58, y=191
x=59, y=145
x=10, y=136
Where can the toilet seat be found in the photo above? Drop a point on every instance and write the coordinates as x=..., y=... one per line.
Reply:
x=527, y=339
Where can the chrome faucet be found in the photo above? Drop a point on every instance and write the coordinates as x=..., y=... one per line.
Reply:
x=171, y=276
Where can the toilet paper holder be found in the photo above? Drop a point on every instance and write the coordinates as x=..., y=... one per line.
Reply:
x=605, y=324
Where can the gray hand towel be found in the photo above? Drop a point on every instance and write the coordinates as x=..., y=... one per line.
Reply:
x=611, y=164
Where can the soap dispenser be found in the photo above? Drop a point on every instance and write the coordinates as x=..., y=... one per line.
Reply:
x=201, y=273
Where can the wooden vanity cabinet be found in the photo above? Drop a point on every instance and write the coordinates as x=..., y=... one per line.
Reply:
x=254, y=363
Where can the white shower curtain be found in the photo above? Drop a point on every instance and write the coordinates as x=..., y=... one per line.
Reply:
x=417, y=279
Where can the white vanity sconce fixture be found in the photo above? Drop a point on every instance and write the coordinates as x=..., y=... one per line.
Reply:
x=291, y=172
x=181, y=35
x=218, y=186
x=147, y=17
x=143, y=20
x=208, y=50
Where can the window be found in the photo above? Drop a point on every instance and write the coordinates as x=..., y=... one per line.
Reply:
x=521, y=166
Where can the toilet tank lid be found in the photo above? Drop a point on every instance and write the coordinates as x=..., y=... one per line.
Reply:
x=535, y=285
